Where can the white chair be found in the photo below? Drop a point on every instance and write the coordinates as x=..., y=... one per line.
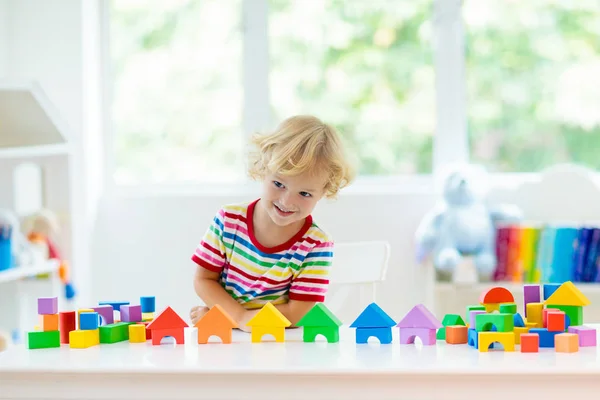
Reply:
x=356, y=266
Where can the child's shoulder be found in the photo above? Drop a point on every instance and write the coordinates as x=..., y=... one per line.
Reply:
x=318, y=235
x=234, y=211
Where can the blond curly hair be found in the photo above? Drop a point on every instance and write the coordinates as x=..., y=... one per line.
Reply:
x=299, y=144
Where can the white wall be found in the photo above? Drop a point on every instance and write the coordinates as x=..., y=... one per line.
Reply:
x=3, y=36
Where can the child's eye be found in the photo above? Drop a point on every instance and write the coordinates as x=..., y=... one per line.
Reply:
x=305, y=194
x=278, y=184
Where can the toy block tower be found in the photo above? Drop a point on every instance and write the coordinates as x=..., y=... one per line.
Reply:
x=216, y=322
x=420, y=322
x=373, y=321
x=88, y=334
x=49, y=334
x=320, y=321
x=449, y=320
x=167, y=323
x=148, y=304
x=569, y=299
x=269, y=320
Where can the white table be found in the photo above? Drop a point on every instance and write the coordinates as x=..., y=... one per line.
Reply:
x=294, y=370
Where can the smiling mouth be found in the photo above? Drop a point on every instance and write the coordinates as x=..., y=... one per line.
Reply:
x=282, y=211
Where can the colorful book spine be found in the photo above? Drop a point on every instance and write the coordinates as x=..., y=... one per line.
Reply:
x=502, y=242
x=528, y=252
x=590, y=269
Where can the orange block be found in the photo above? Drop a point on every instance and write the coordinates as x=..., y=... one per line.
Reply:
x=556, y=321
x=566, y=343
x=216, y=322
x=530, y=342
x=48, y=322
x=457, y=334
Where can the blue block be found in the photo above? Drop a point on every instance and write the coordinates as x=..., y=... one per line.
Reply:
x=518, y=320
x=550, y=288
x=383, y=334
x=546, y=338
x=148, y=304
x=88, y=321
x=116, y=305
x=473, y=338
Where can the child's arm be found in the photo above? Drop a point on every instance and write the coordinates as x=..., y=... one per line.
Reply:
x=294, y=310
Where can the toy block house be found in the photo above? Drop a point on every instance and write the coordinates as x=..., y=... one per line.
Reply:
x=569, y=299
x=216, y=322
x=320, y=321
x=373, y=321
x=269, y=320
x=167, y=323
x=419, y=322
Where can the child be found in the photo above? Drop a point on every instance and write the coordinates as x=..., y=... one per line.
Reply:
x=271, y=250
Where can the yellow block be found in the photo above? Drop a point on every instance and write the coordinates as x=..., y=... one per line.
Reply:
x=137, y=333
x=506, y=339
x=82, y=310
x=147, y=316
x=518, y=330
x=259, y=331
x=83, y=339
x=492, y=307
x=269, y=316
x=534, y=313
x=567, y=295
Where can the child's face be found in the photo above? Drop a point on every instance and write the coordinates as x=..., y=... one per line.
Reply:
x=289, y=199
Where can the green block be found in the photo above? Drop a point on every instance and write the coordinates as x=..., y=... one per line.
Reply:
x=114, y=333
x=472, y=308
x=575, y=313
x=508, y=308
x=331, y=333
x=502, y=322
x=319, y=316
x=43, y=340
x=449, y=320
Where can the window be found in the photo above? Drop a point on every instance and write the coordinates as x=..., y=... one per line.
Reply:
x=533, y=79
x=177, y=91
x=364, y=66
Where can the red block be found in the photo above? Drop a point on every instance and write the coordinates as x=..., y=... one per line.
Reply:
x=556, y=321
x=67, y=322
x=530, y=343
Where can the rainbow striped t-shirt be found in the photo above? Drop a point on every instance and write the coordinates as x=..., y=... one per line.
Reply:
x=255, y=275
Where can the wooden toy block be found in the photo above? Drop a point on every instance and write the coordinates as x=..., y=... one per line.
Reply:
x=216, y=322
x=114, y=333
x=508, y=308
x=106, y=313
x=82, y=310
x=47, y=305
x=269, y=320
x=457, y=334
x=320, y=321
x=490, y=308
x=555, y=321
x=496, y=295
x=486, y=322
x=519, y=330
x=518, y=320
x=147, y=316
x=506, y=339
x=116, y=305
x=574, y=314
x=531, y=294
x=546, y=337
x=473, y=308
x=545, y=312
x=448, y=320
x=88, y=321
x=473, y=337
x=420, y=322
x=587, y=335
x=566, y=343
x=427, y=336
x=568, y=295
x=148, y=331
x=549, y=289
x=530, y=343
x=373, y=317
x=43, y=339
x=137, y=333
x=131, y=313
x=148, y=304
x=83, y=339
x=534, y=313
x=67, y=322
x=48, y=322
x=384, y=335
x=473, y=317
x=167, y=323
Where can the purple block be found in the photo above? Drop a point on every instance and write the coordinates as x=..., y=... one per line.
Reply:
x=107, y=314
x=587, y=336
x=131, y=313
x=531, y=294
x=48, y=305
x=427, y=336
x=473, y=317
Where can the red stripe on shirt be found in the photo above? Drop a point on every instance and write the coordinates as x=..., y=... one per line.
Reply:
x=206, y=265
x=306, y=297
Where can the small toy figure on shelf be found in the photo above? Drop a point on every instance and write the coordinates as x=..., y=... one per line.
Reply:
x=463, y=224
x=42, y=229
x=14, y=248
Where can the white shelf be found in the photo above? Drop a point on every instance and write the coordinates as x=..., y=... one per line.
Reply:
x=17, y=273
x=48, y=150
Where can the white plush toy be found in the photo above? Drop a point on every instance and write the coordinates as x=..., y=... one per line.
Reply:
x=463, y=224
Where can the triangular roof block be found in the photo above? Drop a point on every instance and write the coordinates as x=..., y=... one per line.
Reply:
x=269, y=316
x=420, y=317
x=373, y=317
x=216, y=317
x=167, y=319
x=452, y=319
x=28, y=117
x=496, y=295
x=319, y=316
x=567, y=295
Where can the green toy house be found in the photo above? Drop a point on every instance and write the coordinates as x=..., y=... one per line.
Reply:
x=320, y=321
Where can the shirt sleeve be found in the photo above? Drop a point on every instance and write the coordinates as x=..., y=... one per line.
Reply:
x=210, y=253
x=312, y=281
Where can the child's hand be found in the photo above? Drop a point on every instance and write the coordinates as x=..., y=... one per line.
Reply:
x=247, y=316
x=197, y=312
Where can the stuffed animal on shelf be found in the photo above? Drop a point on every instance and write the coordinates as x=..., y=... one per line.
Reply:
x=463, y=224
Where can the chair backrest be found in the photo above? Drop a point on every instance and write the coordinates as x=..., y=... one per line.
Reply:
x=357, y=266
